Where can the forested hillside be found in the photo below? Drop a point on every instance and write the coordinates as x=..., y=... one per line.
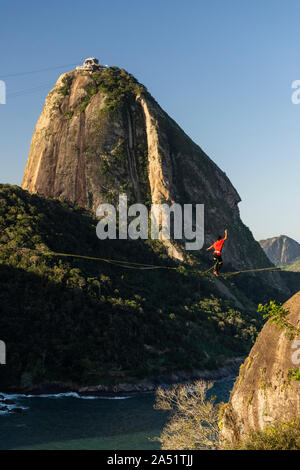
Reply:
x=92, y=322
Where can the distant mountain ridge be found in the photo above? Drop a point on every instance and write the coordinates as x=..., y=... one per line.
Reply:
x=282, y=250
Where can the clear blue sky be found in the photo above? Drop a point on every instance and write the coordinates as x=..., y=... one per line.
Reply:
x=222, y=69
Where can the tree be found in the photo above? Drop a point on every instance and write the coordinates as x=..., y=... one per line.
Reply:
x=194, y=418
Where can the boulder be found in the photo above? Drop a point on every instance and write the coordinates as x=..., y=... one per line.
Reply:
x=7, y=401
x=266, y=391
x=16, y=410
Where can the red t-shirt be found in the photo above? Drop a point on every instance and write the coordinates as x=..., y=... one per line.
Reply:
x=218, y=245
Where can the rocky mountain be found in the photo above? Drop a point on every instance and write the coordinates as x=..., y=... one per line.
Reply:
x=282, y=250
x=101, y=133
x=267, y=390
x=89, y=323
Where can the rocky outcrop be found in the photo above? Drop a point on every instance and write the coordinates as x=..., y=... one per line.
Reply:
x=102, y=133
x=281, y=250
x=267, y=389
x=8, y=406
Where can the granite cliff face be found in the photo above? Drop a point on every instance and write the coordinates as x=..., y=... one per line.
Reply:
x=281, y=250
x=102, y=133
x=266, y=390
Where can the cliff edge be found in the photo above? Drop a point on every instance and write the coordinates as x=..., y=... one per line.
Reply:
x=267, y=390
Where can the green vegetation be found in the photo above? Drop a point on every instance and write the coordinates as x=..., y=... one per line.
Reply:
x=68, y=115
x=281, y=436
x=88, y=322
x=277, y=314
x=91, y=90
x=67, y=82
x=120, y=89
x=294, y=374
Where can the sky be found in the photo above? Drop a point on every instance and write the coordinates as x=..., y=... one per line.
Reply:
x=223, y=69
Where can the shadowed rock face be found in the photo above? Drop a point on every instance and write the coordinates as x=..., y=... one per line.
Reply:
x=281, y=250
x=100, y=134
x=264, y=391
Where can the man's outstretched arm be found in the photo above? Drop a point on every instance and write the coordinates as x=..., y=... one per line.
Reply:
x=226, y=234
x=209, y=248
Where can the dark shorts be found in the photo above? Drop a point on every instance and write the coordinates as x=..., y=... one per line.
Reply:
x=218, y=259
x=219, y=262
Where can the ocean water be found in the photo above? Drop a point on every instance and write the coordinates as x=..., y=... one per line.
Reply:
x=67, y=421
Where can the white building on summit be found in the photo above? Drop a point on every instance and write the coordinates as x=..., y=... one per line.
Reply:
x=91, y=64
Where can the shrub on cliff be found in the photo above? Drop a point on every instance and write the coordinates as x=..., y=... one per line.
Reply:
x=280, y=436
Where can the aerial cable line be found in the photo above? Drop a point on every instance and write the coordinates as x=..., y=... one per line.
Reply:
x=135, y=265
x=272, y=268
x=29, y=90
x=19, y=74
x=38, y=87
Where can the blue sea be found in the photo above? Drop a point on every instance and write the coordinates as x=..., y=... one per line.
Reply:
x=68, y=421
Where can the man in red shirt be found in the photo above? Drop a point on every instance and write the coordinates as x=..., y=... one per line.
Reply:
x=218, y=245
